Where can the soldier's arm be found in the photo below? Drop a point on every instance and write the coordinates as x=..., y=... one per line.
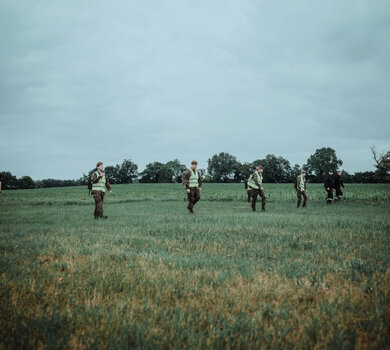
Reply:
x=200, y=182
x=95, y=178
x=296, y=183
x=108, y=184
x=186, y=179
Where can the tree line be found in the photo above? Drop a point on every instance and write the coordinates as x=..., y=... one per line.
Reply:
x=222, y=167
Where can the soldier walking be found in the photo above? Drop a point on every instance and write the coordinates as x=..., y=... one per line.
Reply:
x=255, y=183
x=99, y=184
x=329, y=186
x=338, y=183
x=193, y=185
x=300, y=187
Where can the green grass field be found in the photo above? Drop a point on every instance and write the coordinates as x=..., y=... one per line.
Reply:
x=153, y=276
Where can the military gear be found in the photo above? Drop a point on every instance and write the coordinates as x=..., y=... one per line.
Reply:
x=255, y=180
x=192, y=182
x=300, y=183
x=257, y=192
x=194, y=179
x=98, y=196
x=99, y=185
x=193, y=198
x=185, y=178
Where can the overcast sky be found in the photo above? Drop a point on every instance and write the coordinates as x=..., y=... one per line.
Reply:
x=87, y=81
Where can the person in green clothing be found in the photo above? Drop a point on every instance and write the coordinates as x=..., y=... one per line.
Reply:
x=255, y=184
x=193, y=185
x=300, y=187
x=99, y=185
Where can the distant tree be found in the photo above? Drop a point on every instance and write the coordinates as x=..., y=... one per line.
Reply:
x=319, y=163
x=46, y=183
x=112, y=173
x=26, y=182
x=10, y=182
x=295, y=171
x=243, y=171
x=382, y=165
x=151, y=172
x=128, y=171
x=171, y=171
x=347, y=177
x=365, y=177
x=222, y=167
x=276, y=169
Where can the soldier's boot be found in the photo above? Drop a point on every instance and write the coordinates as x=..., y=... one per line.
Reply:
x=263, y=205
x=253, y=205
x=104, y=217
x=329, y=201
x=298, y=204
x=304, y=205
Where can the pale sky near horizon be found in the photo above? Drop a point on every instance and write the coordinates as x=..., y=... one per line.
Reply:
x=83, y=81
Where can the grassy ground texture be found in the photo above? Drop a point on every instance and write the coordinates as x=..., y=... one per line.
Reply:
x=153, y=276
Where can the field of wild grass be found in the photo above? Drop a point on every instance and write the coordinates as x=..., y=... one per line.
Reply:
x=153, y=276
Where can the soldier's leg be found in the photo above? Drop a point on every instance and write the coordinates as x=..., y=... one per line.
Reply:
x=329, y=199
x=299, y=195
x=254, y=194
x=190, y=205
x=196, y=195
x=100, y=204
x=249, y=195
x=262, y=195
x=96, y=199
x=339, y=194
x=304, y=199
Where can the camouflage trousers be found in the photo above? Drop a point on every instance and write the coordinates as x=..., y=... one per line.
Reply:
x=98, y=196
x=257, y=192
x=193, y=197
x=299, y=195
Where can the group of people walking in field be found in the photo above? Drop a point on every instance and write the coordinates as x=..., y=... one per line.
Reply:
x=192, y=183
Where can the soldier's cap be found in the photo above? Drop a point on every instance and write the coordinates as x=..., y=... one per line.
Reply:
x=98, y=164
x=303, y=171
x=194, y=162
x=260, y=167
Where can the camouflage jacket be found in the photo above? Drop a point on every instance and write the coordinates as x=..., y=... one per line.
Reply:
x=95, y=178
x=186, y=179
x=298, y=183
x=254, y=178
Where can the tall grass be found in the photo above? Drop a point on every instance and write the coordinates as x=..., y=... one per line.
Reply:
x=153, y=276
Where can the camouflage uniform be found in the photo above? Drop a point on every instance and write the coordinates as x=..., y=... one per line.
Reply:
x=257, y=192
x=301, y=192
x=98, y=196
x=194, y=194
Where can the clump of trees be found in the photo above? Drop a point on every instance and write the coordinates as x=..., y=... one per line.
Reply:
x=160, y=172
x=222, y=167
